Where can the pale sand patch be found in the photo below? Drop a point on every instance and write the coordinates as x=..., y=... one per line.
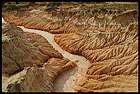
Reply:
x=3, y=21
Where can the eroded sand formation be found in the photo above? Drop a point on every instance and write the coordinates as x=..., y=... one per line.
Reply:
x=40, y=79
x=113, y=56
x=70, y=18
x=107, y=38
x=21, y=49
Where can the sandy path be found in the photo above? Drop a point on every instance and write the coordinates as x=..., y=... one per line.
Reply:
x=67, y=80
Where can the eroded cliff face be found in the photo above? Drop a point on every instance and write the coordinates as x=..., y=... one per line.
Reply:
x=37, y=79
x=20, y=49
x=107, y=38
x=82, y=42
x=33, y=53
x=113, y=56
x=71, y=18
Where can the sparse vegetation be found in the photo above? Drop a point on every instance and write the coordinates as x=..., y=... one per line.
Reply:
x=102, y=9
x=52, y=6
x=49, y=29
x=12, y=7
x=48, y=9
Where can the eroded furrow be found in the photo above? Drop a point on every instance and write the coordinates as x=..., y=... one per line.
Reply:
x=113, y=55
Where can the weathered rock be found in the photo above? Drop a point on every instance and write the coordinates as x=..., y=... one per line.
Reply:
x=21, y=49
x=37, y=79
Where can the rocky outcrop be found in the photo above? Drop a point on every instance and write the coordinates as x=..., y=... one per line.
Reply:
x=37, y=79
x=21, y=49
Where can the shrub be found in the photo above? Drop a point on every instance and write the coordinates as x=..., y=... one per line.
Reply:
x=102, y=9
x=12, y=7
x=47, y=9
x=49, y=29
